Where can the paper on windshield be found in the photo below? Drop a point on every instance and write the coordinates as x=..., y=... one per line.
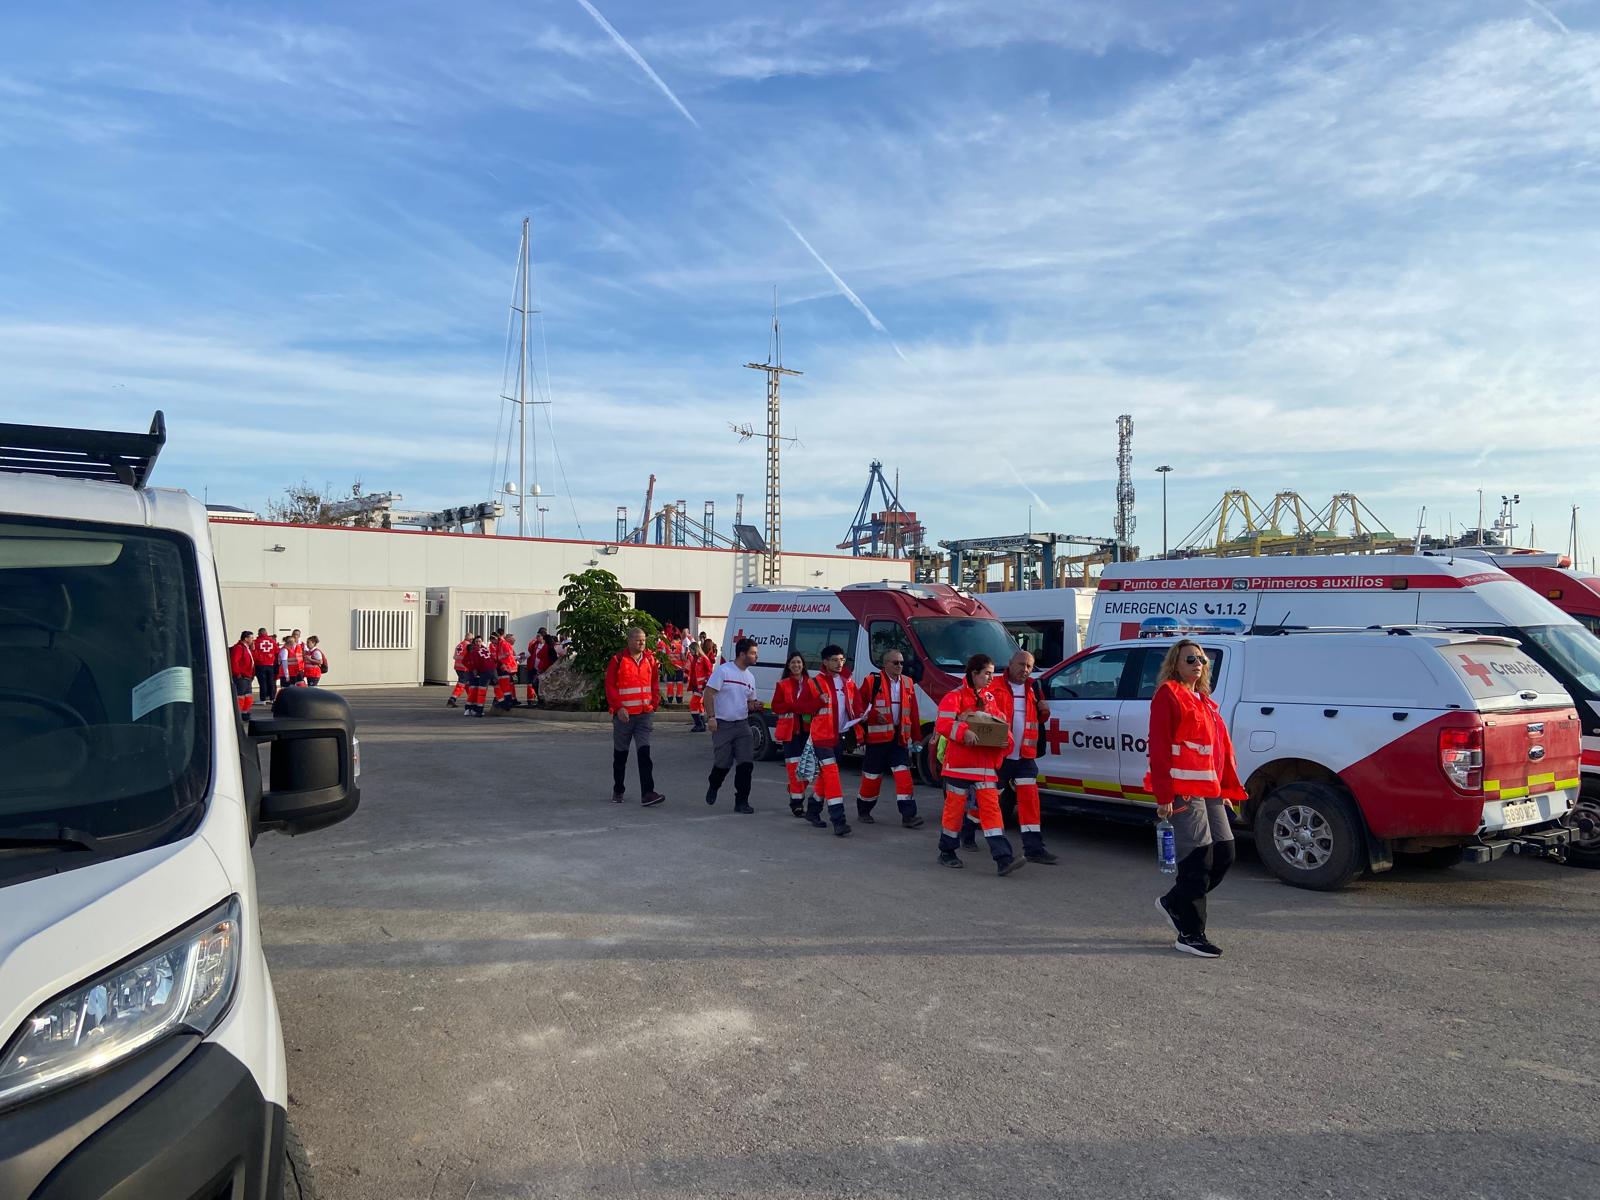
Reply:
x=175, y=685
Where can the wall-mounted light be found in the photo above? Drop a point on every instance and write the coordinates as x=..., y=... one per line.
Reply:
x=816, y=574
x=593, y=562
x=276, y=549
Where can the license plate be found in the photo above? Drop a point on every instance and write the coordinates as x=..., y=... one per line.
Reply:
x=1519, y=812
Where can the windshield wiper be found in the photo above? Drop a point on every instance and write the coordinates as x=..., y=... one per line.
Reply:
x=61, y=836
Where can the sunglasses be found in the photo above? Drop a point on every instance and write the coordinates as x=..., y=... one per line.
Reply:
x=1194, y=660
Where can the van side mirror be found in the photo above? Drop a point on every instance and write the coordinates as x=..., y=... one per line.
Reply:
x=914, y=668
x=314, y=761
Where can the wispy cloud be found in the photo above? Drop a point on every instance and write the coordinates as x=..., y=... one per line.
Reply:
x=1544, y=11
x=638, y=61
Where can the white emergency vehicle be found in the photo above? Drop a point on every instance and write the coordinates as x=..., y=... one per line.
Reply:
x=1461, y=593
x=935, y=626
x=1353, y=746
x=140, y=1050
x=1052, y=624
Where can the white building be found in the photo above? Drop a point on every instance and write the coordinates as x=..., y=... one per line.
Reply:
x=389, y=605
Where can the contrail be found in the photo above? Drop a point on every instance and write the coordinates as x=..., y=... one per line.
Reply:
x=638, y=58
x=1533, y=4
x=1037, y=499
x=661, y=85
x=861, y=305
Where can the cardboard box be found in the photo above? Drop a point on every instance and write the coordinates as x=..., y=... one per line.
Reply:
x=991, y=731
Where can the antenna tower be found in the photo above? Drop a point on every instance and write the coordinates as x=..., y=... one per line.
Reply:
x=772, y=567
x=1123, y=528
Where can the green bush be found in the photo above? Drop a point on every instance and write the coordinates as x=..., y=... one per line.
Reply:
x=596, y=615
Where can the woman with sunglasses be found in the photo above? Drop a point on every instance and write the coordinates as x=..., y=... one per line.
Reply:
x=1194, y=779
x=793, y=727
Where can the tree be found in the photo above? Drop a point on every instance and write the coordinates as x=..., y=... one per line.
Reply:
x=303, y=504
x=596, y=615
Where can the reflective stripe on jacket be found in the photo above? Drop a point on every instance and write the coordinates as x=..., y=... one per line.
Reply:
x=785, y=697
x=818, y=698
x=1000, y=689
x=974, y=764
x=877, y=694
x=1190, y=751
x=631, y=685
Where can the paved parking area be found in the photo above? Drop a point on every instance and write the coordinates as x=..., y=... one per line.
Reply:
x=497, y=983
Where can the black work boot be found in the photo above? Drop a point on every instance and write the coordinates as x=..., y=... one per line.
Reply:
x=864, y=811
x=814, y=813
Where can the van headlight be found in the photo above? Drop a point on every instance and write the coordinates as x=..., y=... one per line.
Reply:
x=183, y=982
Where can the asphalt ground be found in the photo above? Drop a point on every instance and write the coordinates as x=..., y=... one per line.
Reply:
x=495, y=982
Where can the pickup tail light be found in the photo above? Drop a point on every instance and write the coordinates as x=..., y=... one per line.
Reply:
x=1461, y=757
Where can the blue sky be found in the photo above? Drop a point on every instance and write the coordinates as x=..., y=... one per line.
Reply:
x=1316, y=246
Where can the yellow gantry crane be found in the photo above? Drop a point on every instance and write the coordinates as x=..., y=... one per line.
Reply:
x=1238, y=526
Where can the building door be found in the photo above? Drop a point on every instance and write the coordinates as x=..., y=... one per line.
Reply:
x=670, y=608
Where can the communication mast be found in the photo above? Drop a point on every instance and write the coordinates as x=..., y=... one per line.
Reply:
x=772, y=565
x=1124, y=524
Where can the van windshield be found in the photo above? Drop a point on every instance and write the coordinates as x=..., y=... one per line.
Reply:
x=1572, y=649
x=951, y=641
x=103, y=690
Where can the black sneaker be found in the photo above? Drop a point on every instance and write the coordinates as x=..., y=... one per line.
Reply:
x=1007, y=865
x=1161, y=903
x=651, y=799
x=1197, y=946
x=947, y=858
x=866, y=818
x=450, y=703
x=1043, y=856
x=817, y=821
x=618, y=796
x=911, y=822
x=743, y=808
x=711, y=795
x=842, y=831
x=798, y=810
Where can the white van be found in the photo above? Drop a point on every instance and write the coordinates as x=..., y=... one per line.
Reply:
x=1353, y=746
x=1052, y=624
x=1462, y=593
x=140, y=1050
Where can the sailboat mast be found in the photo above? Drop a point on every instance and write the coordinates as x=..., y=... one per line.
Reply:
x=522, y=397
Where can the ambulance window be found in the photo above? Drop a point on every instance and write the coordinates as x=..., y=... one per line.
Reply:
x=883, y=636
x=1150, y=669
x=1094, y=677
x=809, y=637
x=1042, y=639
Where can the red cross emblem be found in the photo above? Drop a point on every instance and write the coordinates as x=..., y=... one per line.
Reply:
x=1055, y=737
x=1478, y=671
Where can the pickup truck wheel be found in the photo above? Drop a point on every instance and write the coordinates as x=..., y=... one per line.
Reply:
x=298, y=1183
x=764, y=745
x=1309, y=835
x=1585, y=848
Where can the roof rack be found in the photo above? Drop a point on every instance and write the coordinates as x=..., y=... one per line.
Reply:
x=105, y=455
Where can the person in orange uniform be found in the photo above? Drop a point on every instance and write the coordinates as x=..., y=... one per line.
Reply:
x=242, y=666
x=292, y=662
x=969, y=767
x=266, y=652
x=1195, y=780
x=458, y=663
x=792, y=727
x=541, y=657
x=632, y=693
x=505, y=682
x=1021, y=701
x=316, y=662
x=697, y=670
x=892, y=727
x=829, y=698
x=480, y=660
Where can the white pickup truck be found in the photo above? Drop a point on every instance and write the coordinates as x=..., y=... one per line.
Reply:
x=1353, y=745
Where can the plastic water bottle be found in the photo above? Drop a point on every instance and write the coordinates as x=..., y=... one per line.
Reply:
x=1166, y=848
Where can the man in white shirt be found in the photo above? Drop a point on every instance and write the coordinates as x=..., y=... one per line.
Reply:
x=729, y=700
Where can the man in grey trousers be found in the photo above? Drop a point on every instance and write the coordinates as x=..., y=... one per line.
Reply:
x=730, y=698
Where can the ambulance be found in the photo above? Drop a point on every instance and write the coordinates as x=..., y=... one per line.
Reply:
x=140, y=1047
x=1353, y=746
x=936, y=627
x=1576, y=593
x=1052, y=624
x=1461, y=592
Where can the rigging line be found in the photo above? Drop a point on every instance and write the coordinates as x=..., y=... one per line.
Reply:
x=505, y=377
x=555, y=450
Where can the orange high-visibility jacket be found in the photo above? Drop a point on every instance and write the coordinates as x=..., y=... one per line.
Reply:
x=460, y=658
x=970, y=764
x=1000, y=689
x=881, y=728
x=785, y=697
x=1190, y=751
x=699, y=669
x=631, y=685
x=817, y=698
